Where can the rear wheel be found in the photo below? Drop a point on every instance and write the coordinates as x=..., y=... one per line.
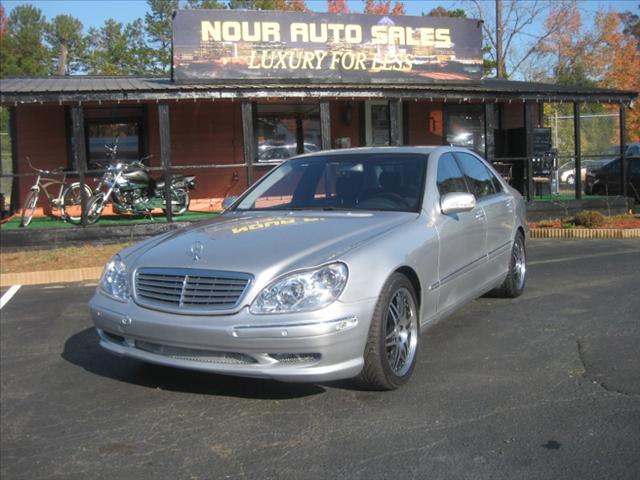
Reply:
x=392, y=345
x=514, y=283
x=179, y=201
x=71, y=208
x=29, y=208
x=571, y=180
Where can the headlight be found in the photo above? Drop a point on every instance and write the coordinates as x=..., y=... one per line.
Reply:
x=114, y=281
x=303, y=291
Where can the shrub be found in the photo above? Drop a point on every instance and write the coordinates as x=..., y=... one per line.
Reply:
x=589, y=219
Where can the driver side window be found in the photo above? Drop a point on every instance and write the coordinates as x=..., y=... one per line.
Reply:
x=450, y=178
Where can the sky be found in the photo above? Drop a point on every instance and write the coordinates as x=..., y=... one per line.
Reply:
x=93, y=13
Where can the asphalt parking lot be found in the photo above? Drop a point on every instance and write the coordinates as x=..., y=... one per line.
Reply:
x=546, y=386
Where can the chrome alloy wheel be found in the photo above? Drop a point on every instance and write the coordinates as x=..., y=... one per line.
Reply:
x=519, y=264
x=401, y=332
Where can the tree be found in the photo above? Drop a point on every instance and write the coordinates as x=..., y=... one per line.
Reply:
x=64, y=34
x=252, y=4
x=291, y=5
x=614, y=62
x=519, y=23
x=383, y=7
x=3, y=22
x=23, y=49
x=115, y=49
x=158, y=27
x=631, y=22
x=443, y=12
x=337, y=6
x=205, y=4
x=281, y=5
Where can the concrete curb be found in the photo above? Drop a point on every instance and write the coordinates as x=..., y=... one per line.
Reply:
x=50, y=276
x=584, y=233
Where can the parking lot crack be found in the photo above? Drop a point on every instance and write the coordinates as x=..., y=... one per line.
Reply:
x=589, y=375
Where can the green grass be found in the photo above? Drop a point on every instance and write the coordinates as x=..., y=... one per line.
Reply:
x=562, y=197
x=122, y=220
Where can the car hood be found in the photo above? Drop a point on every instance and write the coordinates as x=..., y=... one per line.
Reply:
x=267, y=244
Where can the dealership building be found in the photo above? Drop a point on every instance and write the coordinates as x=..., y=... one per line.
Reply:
x=250, y=88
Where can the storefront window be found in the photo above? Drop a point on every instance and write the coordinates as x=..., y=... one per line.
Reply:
x=122, y=127
x=286, y=130
x=465, y=126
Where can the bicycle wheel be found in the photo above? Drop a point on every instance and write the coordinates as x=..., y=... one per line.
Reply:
x=29, y=208
x=71, y=207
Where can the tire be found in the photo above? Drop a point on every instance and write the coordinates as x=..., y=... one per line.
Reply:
x=95, y=205
x=70, y=208
x=29, y=207
x=571, y=180
x=516, y=279
x=393, y=334
x=179, y=201
x=598, y=189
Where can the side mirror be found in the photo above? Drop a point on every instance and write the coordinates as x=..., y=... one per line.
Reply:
x=457, y=202
x=227, y=202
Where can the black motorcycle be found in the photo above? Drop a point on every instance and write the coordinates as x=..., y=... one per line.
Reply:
x=132, y=190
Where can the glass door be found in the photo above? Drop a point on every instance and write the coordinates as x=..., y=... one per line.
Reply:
x=377, y=122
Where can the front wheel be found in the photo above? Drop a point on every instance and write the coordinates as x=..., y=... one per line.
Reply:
x=392, y=344
x=95, y=205
x=71, y=207
x=514, y=283
x=179, y=201
x=571, y=180
x=29, y=208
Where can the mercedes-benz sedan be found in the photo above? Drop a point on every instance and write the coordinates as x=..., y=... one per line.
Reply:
x=327, y=268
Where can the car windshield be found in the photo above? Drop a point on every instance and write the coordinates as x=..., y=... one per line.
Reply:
x=371, y=181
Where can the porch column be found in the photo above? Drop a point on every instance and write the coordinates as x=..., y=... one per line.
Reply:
x=528, y=134
x=394, y=122
x=80, y=155
x=15, y=164
x=577, y=149
x=325, y=124
x=623, y=148
x=489, y=132
x=248, y=138
x=164, y=125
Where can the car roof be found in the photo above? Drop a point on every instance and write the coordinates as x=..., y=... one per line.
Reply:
x=424, y=150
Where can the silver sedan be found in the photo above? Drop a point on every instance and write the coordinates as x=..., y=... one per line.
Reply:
x=328, y=268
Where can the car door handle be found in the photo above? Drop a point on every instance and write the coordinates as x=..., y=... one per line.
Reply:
x=480, y=215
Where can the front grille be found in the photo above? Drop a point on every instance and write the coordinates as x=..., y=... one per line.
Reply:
x=195, y=355
x=189, y=289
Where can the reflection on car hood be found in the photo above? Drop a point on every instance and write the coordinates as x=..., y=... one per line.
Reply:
x=257, y=242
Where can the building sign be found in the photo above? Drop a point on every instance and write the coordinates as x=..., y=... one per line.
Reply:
x=219, y=45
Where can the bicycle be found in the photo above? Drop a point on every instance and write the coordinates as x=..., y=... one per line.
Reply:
x=68, y=196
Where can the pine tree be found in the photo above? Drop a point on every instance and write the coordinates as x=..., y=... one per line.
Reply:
x=158, y=27
x=23, y=49
x=64, y=35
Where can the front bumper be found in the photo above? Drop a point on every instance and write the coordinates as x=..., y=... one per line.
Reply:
x=310, y=347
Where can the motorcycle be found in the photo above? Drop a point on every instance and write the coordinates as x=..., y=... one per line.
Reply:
x=132, y=190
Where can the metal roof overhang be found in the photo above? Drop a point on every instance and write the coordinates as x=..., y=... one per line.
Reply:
x=66, y=90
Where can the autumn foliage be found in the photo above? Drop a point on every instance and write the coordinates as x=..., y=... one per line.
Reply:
x=383, y=7
x=291, y=5
x=605, y=56
x=337, y=6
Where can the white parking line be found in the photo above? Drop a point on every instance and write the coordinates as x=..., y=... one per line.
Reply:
x=8, y=295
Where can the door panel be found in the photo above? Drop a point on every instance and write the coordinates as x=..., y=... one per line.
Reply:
x=462, y=241
x=499, y=208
